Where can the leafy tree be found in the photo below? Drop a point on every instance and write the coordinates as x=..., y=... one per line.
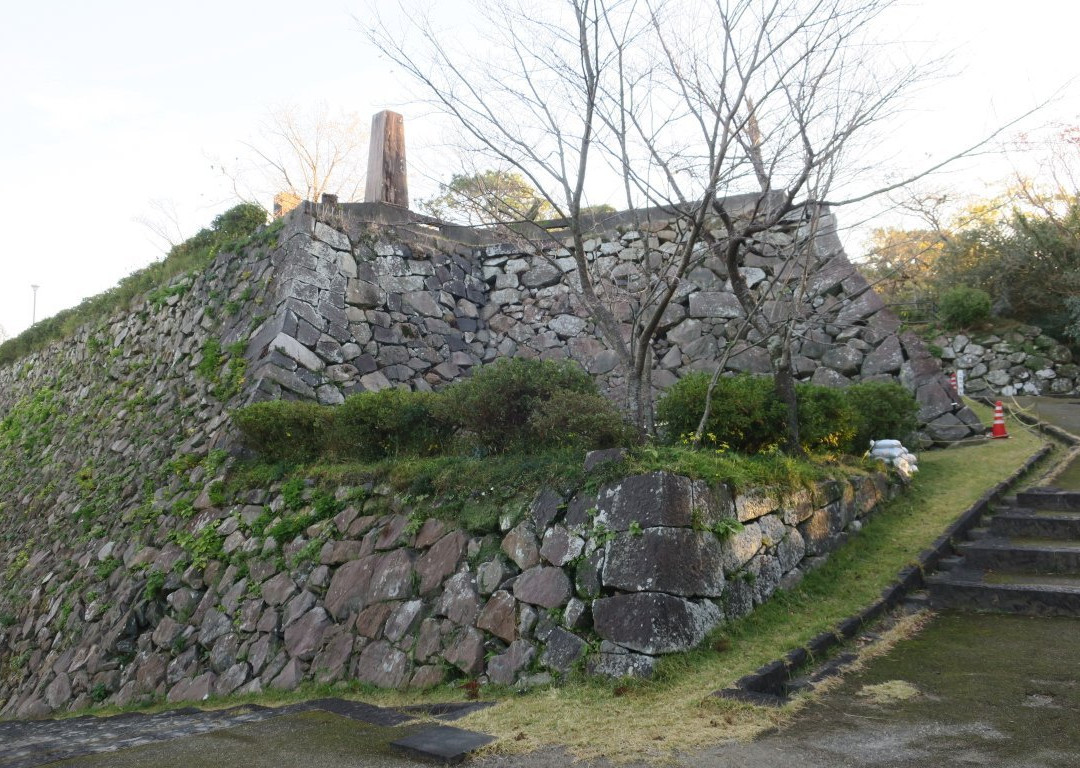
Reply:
x=488, y=197
x=900, y=263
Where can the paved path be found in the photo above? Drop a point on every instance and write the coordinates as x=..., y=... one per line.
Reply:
x=326, y=733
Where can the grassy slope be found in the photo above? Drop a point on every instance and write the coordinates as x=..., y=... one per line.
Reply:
x=676, y=712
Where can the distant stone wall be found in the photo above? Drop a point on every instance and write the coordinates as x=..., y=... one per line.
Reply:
x=366, y=309
x=1023, y=361
x=606, y=581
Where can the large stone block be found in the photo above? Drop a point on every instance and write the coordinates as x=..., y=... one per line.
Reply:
x=887, y=358
x=382, y=665
x=546, y=586
x=654, y=622
x=562, y=650
x=676, y=560
x=440, y=561
x=349, y=588
x=520, y=545
x=503, y=669
x=655, y=499
x=715, y=304
x=499, y=616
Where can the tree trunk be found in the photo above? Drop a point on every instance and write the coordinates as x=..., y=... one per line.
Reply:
x=784, y=381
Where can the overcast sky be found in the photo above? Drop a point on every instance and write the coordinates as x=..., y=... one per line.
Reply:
x=111, y=105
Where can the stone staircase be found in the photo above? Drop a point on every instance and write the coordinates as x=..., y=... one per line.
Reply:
x=1026, y=560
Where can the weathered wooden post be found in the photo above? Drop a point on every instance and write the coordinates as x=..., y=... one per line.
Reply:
x=387, y=179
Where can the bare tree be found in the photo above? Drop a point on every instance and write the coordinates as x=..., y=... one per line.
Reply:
x=301, y=154
x=684, y=103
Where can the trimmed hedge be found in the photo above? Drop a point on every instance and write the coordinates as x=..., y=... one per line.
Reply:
x=506, y=406
x=373, y=425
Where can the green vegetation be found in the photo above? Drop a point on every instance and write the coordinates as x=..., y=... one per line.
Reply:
x=1021, y=249
x=964, y=307
x=481, y=449
x=748, y=417
x=225, y=383
x=519, y=404
x=488, y=197
x=229, y=232
x=29, y=423
x=513, y=405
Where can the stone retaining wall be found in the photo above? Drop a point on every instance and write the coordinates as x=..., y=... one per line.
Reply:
x=606, y=581
x=366, y=309
x=1023, y=361
x=113, y=445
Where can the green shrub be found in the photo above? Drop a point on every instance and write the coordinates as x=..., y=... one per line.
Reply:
x=962, y=307
x=884, y=409
x=578, y=420
x=374, y=425
x=746, y=414
x=284, y=430
x=827, y=418
x=517, y=404
x=500, y=404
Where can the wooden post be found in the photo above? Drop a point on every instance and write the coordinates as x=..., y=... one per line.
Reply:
x=387, y=179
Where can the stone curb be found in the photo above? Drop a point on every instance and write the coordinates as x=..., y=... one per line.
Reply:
x=768, y=685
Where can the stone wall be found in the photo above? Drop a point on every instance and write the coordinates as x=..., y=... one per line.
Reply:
x=110, y=436
x=606, y=581
x=365, y=309
x=113, y=445
x=1022, y=361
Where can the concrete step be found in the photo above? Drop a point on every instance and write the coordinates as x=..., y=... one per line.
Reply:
x=1021, y=555
x=1049, y=498
x=1025, y=594
x=1021, y=522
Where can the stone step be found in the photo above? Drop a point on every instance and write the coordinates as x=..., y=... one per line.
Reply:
x=1021, y=555
x=950, y=563
x=1025, y=594
x=1049, y=498
x=1034, y=524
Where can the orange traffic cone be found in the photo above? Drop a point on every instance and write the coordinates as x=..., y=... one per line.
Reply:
x=952, y=381
x=998, y=429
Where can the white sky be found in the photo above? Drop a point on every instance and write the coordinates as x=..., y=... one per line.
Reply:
x=107, y=106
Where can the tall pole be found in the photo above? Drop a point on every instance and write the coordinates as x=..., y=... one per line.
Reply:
x=33, y=314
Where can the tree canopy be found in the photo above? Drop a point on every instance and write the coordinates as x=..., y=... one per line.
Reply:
x=488, y=197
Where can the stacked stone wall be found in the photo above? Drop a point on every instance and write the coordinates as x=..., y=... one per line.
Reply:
x=364, y=309
x=607, y=581
x=1020, y=361
x=126, y=575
